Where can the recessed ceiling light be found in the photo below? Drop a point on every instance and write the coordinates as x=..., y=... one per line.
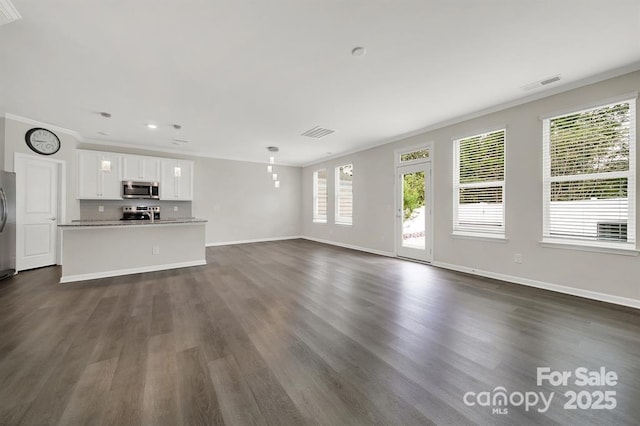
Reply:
x=152, y=126
x=359, y=51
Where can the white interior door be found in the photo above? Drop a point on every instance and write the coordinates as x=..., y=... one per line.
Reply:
x=413, y=211
x=36, y=212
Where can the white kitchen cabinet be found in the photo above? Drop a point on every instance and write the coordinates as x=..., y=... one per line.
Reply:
x=176, y=181
x=98, y=175
x=140, y=168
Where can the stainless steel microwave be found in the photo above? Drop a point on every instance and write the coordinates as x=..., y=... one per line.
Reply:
x=132, y=189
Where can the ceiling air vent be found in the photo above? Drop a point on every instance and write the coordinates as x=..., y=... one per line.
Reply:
x=8, y=12
x=541, y=83
x=317, y=132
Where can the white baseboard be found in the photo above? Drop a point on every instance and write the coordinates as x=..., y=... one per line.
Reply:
x=349, y=246
x=257, y=240
x=587, y=294
x=119, y=272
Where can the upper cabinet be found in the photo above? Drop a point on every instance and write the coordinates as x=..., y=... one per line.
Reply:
x=176, y=181
x=98, y=175
x=140, y=168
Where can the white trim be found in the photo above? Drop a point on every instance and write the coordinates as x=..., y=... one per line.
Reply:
x=62, y=194
x=500, y=107
x=586, y=246
x=349, y=246
x=590, y=105
x=182, y=154
x=315, y=217
x=457, y=228
x=50, y=126
x=482, y=131
x=412, y=167
x=630, y=175
x=256, y=240
x=590, y=176
x=119, y=272
x=413, y=148
x=587, y=294
x=337, y=219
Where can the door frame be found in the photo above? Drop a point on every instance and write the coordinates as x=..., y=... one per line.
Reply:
x=397, y=222
x=61, y=167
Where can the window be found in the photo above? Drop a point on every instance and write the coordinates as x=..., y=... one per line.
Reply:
x=420, y=154
x=344, y=194
x=320, y=196
x=589, y=176
x=478, y=185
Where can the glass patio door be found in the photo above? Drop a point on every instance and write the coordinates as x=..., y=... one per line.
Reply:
x=413, y=212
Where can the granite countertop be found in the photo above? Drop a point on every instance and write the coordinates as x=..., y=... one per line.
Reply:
x=92, y=223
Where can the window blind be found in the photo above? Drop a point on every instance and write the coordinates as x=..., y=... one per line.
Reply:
x=344, y=194
x=478, y=206
x=320, y=196
x=589, y=176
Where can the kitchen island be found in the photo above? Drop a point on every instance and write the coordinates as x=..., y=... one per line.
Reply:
x=100, y=249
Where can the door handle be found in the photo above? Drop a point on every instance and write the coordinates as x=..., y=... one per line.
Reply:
x=52, y=219
x=5, y=211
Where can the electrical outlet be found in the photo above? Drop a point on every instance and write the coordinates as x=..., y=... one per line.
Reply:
x=101, y=209
x=155, y=250
x=175, y=208
x=517, y=257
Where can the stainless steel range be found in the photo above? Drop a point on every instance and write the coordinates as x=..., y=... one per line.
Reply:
x=151, y=213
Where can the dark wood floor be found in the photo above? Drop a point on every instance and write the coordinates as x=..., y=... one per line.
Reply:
x=298, y=333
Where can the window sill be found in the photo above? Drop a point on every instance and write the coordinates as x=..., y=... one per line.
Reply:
x=319, y=221
x=343, y=223
x=480, y=237
x=598, y=248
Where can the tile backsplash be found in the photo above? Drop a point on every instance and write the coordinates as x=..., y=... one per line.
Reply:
x=89, y=209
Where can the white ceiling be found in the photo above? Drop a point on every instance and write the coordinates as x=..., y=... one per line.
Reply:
x=242, y=75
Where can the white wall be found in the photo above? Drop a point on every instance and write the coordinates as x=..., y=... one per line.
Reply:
x=240, y=202
x=15, y=143
x=237, y=197
x=373, y=223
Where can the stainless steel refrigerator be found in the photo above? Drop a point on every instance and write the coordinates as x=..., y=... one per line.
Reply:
x=7, y=224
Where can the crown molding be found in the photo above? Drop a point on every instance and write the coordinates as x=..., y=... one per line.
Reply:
x=49, y=126
x=633, y=67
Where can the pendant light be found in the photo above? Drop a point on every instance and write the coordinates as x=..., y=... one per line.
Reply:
x=271, y=166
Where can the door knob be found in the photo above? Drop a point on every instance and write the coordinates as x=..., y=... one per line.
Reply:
x=52, y=219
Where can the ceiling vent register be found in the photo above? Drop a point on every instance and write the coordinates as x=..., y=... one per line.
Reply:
x=8, y=12
x=317, y=132
x=541, y=83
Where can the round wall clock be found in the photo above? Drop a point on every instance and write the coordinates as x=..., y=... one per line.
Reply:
x=42, y=141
